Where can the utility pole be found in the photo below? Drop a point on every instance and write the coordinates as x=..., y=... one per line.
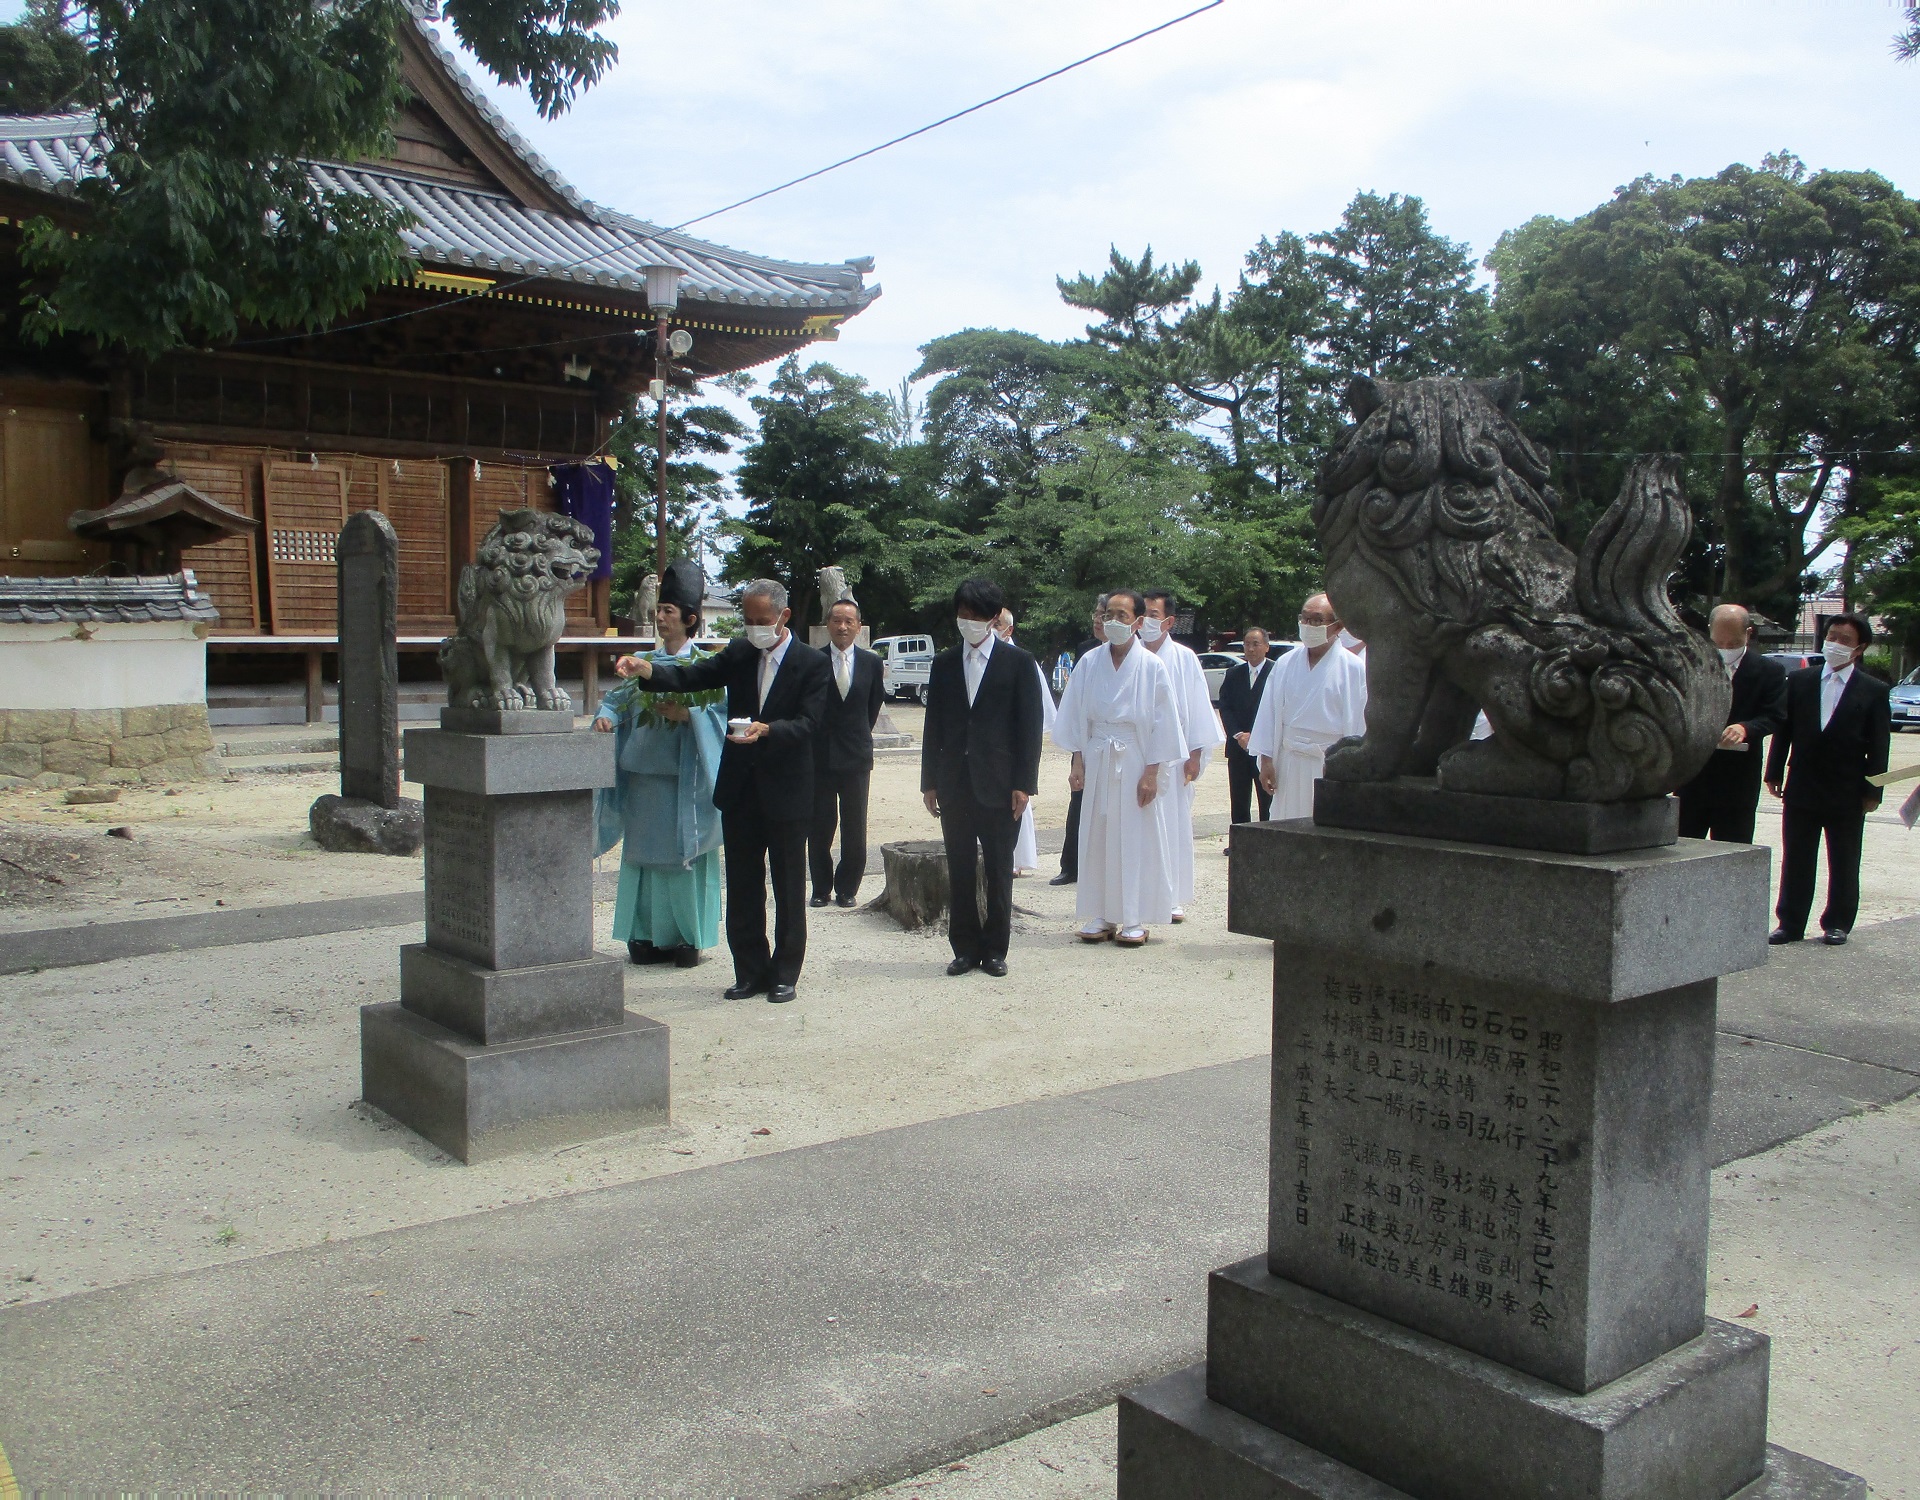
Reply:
x=661, y=355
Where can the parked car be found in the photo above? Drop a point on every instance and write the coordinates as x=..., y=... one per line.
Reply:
x=1216, y=664
x=905, y=661
x=1906, y=701
x=1793, y=661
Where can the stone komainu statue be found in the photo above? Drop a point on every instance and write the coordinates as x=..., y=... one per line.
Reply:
x=1437, y=526
x=833, y=588
x=512, y=608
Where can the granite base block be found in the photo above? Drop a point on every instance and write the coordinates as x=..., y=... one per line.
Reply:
x=1444, y=1424
x=493, y=765
x=1419, y=807
x=510, y=1005
x=353, y=825
x=507, y=720
x=1593, y=926
x=509, y=880
x=476, y=1102
x=1175, y=1444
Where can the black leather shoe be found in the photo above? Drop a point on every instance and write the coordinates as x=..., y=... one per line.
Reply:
x=1063, y=878
x=1780, y=935
x=962, y=966
x=780, y=994
x=817, y=901
x=997, y=967
x=1833, y=937
x=686, y=956
x=643, y=953
x=744, y=990
x=845, y=901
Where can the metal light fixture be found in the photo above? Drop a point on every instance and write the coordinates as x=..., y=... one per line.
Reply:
x=663, y=288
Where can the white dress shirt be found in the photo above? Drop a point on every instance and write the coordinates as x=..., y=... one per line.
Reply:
x=973, y=659
x=842, y=668
x=770, y=665
x=1832, y=685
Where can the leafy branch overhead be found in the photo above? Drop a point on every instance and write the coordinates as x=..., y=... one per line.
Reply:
x=204, y=220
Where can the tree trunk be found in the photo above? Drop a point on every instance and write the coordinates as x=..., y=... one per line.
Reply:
x=917, y=893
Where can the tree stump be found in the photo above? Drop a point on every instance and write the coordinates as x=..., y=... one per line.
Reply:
x=917, y=894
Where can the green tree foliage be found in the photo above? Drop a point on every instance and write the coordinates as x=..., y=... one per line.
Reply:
x=1883, y=556
x=1762, y=321
x=1906, y=45
x=43, y=65
x=697, y=431
x=203, y=218
x=819, y=484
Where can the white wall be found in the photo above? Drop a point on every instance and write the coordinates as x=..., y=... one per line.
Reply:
x=117, y=666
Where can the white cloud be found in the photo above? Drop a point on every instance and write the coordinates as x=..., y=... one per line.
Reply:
x=1260, y=116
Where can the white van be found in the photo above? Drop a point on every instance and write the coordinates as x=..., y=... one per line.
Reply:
x=905, y=661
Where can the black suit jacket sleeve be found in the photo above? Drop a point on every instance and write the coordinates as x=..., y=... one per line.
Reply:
x=933, y=733
x=1236, y=692
x=1769, y=715
x=1777, y=749
x=876, y=686
x=1028, y=727
x=722, y=669
x=1879, y=740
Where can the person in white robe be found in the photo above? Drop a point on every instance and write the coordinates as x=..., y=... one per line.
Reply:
x=1200, y=730
x=1119, y=718
x=1318, y=696
x=1026, y=845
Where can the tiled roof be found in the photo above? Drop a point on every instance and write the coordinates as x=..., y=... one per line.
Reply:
x=493, y=232
x=75, y=601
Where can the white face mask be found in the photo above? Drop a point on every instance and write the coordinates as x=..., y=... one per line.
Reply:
x=1313, y=636
x=763, y=637
x=1731, y=655
x=973, y=632
x=1838, y=656
x=1118, y=632
x=1151, y=629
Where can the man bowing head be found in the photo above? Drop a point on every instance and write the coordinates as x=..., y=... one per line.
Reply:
x=776, y=700
x=979, y=763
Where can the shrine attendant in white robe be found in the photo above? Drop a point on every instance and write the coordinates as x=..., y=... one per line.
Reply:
x=1200, y=731
x=1026, y=844
x=1121, y=722
x=1316, y=698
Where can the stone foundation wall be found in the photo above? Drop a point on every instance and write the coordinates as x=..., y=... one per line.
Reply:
x=62, y=747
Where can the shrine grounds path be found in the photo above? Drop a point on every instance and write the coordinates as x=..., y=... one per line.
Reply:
x=980, y=1208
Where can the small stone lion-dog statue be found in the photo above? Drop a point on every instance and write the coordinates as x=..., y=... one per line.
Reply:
x=512, y=608
x=832, y=580
x=1437, y=526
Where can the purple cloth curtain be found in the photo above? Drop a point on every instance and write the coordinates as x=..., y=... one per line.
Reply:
x=585, y=492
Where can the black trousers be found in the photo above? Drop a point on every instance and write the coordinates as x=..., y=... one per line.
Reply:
x=1730, y=823
x=1801, y=829
x=1070, y=851
x=839, y=797
x=979, y=839
x=1243, y=784
x=756, y=843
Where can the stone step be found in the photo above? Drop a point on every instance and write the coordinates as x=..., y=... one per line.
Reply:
x=327, y=762
x=279, y=744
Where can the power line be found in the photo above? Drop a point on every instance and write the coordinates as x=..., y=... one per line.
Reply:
x=765, y=192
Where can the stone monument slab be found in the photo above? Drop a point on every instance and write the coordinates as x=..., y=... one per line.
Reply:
x=491, y=1005
x=506, y=883
x=1448, y=1156
x=367, y=566
x=1419, y=806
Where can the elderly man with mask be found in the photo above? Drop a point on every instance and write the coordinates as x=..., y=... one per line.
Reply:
x=776, y=701
x=1122, y=723
x=1720, y=803
x=1318, y=697
x=1198, y=723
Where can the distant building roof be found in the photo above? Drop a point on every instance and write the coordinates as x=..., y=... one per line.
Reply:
x=77, y=601
x=492, y=231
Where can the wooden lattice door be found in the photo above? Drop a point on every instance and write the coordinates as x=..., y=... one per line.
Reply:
x=306, y=506
x=413, y=493
x=224, y=569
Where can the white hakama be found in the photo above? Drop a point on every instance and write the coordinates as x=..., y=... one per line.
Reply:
x=1200, y=730
x=1121, y=720
x=1306, y=710
x=1026, y=845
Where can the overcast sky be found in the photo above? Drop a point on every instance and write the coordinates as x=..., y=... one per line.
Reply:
x=1256, y=117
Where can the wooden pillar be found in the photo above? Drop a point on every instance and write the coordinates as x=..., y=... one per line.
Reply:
x=590, y=677
x=316, y=687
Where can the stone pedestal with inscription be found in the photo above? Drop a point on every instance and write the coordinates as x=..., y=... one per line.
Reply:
x=511, y=1033
x=1485, y=1275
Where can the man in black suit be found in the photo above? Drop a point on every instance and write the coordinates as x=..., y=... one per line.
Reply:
x=1721, y=801
x=843, y=760
x=776, y=698
x=1839, y=724
x=979, y=763
x=1240, y=693
x=1070, y=851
